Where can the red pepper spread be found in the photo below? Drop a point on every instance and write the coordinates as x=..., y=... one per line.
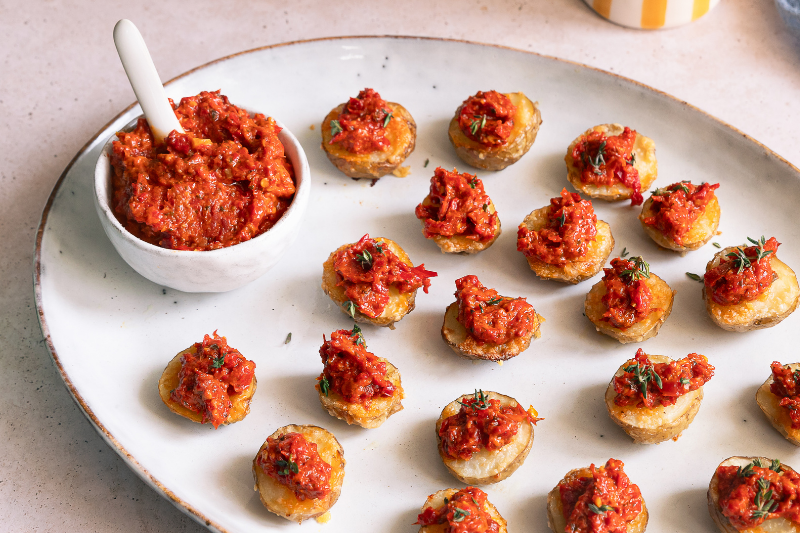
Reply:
x=210, y=376
x=648, y=384
x=627, y=296
x=744, y=274
x=605, y=160
x=489, y=317
x=368, y=268
x=676, y=207
x=487, y=118
x=604, y=503
x=224, y=181
x=361, y=126
x=458, y=206
x=464, y=512
x=757, y=492
x=571, y=226
x=481, y=423
x=293, y=461
x=352, y=371
x=786, y=386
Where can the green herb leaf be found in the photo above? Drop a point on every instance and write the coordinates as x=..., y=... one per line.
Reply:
x=694, y=276
x=365, y=258
x=288, y=338
x=459, y=514
x=218, y=361
x=763, y=500
x=494, y=301
x=776, y=466
x=378, y=247
x=641, y=269
x=473, y=183
x=716, y=245
x=426, y=163
x=685, y=381
x=324, y=385
x=336, y=128
x=350, y=308
x=598, y=159
x=387, y=118
x=481, y=401
x=600, y=510
x=477, y=124
x=747, y=471
x=624, y=253
x=288, y=467
x=357, y=334
x=562, y=219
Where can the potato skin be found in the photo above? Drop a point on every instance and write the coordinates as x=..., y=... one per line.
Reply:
x=459, y=244
x=643, y=148
x=577, y=270
x=777, y=415
x=663, y=297
x=526, y=125
x=774, y=525
x=769, y=309
x=555, y=509
x=399, y=304
x=170, y=379
x=701, y=231
x=279, y=499
x=436, y=500
x=401, y=132
x=379, y=410
x=651, y=426
x=486, y=467
x=458, y=338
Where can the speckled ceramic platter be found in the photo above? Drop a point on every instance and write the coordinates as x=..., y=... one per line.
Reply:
x=111, y=332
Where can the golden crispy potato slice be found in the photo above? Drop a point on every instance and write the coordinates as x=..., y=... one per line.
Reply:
x=527, y=120
x=399, y=304
x=436, y=501
x=773, y=525
x=401, y=132
x=769, y=309
x=555, y=509
x=170, y=379
x=459, y=244
x=458, y=338
x=700, y=232
x=658, y=424
x=487, y=466
x=379, y=410
x=663, y=296
x=280, y=499
x=579, y=269
x=777, y=415
x=644, y=149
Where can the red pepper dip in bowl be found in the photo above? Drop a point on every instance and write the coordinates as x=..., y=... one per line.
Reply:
x=209, y=210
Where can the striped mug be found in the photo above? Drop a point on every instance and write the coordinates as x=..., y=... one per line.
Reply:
x=652, y=14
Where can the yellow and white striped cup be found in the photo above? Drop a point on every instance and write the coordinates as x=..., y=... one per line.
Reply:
x=652, y=14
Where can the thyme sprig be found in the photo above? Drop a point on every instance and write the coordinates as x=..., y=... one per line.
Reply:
x=359, y=337
x=603, y=509
x=746, y=471
x=336, y=128
x=481, y=401
x=365, y=258
x=598, y=159
x=324, y=385
x=764, y=502
x=218, y=361
x=740, y=260
x=643, y=375
x=625, y=253
x=694, y=276
x=459, y=514
x=478, y=124
x=288, y=467
x=387, y=117
x=494, y=301
x=350, y=308
x=641, y=269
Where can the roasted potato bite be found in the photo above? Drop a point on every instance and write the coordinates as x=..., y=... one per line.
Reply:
x=630, y=303
x=748, y=287
x=481, y=324
x=575, y=499
x=299, y=471
x=612, y=162
x=446, y=511
x=492, y=130
x=355, y=386
x=484, y=437
x=754, y=495
x=564, y=241
x=682, y=216
x=209, y=382
x=779, y=399
x=373, y=281
x=457, y=214
x=368, y=137
x=653, y=398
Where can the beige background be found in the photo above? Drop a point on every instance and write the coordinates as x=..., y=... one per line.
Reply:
x=60, y=82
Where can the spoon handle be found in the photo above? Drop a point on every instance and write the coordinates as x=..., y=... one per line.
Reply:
x=144, y=80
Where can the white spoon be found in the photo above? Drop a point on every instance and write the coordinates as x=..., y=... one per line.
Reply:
x=144, y=80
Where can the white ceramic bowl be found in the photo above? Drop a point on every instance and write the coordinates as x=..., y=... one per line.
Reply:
x=219, y=270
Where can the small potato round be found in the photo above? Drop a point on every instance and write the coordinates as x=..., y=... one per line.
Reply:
x=773, y=525
x=437, y=501
x=460, y=244
x=401, y=131
x=644, y=150
x=380, y=408
x=775, y=413
x=555, y=508
x=658, y=424
x=769, y=309
x=487, y=466
x=280, y=499
x=527, y=120
x=702, y=230
x=464, y=344
x=663, y=296
x=579, y=269
x=399, y=304
x=170, y=379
